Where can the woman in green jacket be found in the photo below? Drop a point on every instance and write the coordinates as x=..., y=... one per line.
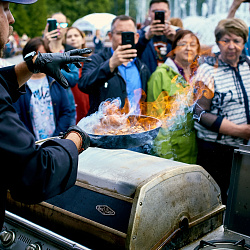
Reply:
x=170, y=97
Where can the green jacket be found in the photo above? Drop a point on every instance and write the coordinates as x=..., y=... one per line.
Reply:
x=169, y=98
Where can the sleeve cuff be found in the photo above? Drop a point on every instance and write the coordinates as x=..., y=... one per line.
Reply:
x=216, y=125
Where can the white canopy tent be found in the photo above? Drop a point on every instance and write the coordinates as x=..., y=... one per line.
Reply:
x=101, y=21
x=84, y=25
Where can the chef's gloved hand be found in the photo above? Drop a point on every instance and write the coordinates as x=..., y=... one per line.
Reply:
x=52, y=63
x=85, y=140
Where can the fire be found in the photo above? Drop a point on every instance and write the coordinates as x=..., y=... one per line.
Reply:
x=113, y=120
x=202, y=90
x=171, y=108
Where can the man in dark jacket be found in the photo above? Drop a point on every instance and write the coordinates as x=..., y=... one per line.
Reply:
x=112, y=73
x=155, y=40
x=31, y=172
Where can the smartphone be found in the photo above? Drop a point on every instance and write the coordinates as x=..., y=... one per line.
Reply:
x=246, y=1
x=52, y=24
x=160, y=15
x=128, y=38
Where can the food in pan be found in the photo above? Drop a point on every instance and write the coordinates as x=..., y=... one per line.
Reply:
x=115, y=123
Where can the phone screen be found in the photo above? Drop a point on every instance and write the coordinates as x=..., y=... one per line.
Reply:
x=52, y=24
x=160, y=15
x=128, y=38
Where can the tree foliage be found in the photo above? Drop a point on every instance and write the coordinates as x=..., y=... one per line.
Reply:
x=31, y=19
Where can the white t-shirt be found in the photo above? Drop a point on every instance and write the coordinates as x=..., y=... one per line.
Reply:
x=41, y=108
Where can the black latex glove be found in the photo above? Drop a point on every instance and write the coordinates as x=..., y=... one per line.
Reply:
x=83, y=134
x=52, y=63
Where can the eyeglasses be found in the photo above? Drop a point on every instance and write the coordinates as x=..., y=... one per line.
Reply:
x=62, y=25
x=226, y=42
x=192, y=45
x=118, y=33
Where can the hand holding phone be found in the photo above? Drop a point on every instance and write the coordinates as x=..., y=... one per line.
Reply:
x=52, y=25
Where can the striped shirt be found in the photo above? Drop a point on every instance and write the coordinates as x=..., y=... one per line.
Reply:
x=228, y=100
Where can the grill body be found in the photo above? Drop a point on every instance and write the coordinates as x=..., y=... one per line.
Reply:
x=128, y=200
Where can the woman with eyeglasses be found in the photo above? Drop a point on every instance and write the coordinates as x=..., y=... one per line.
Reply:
x=54, y=41
x=76, y=38
x=223, y=120
x=170, y=98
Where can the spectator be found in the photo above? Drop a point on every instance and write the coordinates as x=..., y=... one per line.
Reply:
x=155, y=40
x=97, y=40
x=170, y=97
x=223, y=121
x=112, y=73
x=235, y=5
x=24, y=40
x=54, y=43
x=17, y=39
x=44, y=109
x=76, y=38
x=9, y=49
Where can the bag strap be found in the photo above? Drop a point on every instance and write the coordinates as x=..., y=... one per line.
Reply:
x=245, y=95
x=246, y=102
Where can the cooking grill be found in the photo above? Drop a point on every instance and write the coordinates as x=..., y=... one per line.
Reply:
x=227, y=244
x=18, y=233
x=235, y=232
x=128, y=200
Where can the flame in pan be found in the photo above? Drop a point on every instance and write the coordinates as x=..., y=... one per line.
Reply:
x=171, y=110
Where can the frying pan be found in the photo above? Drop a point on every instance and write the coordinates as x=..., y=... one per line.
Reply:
x=127, y=140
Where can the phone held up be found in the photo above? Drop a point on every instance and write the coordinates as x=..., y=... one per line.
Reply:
x=52, y=24
x=128, y=38
x=160, y=15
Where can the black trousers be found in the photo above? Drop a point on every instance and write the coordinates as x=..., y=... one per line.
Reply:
x=216, y=159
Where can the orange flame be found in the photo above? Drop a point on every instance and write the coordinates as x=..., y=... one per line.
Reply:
x=166, y=108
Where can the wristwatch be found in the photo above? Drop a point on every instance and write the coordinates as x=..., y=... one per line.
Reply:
x=28, y=59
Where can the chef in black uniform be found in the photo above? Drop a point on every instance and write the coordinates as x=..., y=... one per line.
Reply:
x=33, y=173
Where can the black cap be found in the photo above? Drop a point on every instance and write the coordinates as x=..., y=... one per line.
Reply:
x=20, y=1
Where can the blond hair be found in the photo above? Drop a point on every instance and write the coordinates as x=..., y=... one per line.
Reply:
x=229, y=26
x=176, y=22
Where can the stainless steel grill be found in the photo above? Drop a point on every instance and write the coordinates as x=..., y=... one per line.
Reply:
x=235, y=232
x=19, y=233
x=127, y=200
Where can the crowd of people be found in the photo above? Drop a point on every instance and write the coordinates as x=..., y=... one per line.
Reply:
x=15, y=44
x=201, y=98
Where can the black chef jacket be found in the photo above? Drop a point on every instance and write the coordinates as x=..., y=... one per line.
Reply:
x=32, y=173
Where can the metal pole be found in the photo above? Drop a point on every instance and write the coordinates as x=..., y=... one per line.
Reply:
x=127, y=7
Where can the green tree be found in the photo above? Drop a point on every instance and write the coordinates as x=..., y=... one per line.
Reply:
x=21, y=24
x=74, y=10
x=38, y=19
x=30, y=19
